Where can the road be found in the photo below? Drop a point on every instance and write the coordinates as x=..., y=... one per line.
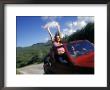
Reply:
x=32, y=69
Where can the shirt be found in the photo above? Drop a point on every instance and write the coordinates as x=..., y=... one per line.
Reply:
x=60, y=50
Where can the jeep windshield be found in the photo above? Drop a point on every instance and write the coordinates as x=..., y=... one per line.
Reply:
x=79, y=48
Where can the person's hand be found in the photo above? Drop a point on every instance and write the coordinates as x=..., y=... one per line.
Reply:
x=61, y=52
x=48, y=28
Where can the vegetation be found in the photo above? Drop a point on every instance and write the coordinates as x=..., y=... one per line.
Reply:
x=36, y=52
x=32, y=54
x=85, y=33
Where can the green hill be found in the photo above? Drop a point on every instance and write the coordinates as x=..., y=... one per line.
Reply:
x=31, y=54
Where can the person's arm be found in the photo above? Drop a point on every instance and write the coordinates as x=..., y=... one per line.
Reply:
x=59, y=31
x=51, y=36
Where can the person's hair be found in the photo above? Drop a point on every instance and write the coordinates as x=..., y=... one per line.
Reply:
x=55, y=37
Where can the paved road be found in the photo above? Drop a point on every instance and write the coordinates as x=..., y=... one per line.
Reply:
x=32, y=69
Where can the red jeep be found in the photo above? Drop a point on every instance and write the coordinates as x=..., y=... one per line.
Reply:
x=80, y=59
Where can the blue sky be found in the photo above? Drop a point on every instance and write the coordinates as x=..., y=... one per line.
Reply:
x=29, y=29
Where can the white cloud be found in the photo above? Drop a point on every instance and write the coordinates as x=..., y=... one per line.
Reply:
x=81, y=24
x=52, y=24
x=67, y=32
x=86, y=18
x=77, y=25
x=69, y=24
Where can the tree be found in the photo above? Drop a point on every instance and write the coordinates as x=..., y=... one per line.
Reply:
x=85, y=33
